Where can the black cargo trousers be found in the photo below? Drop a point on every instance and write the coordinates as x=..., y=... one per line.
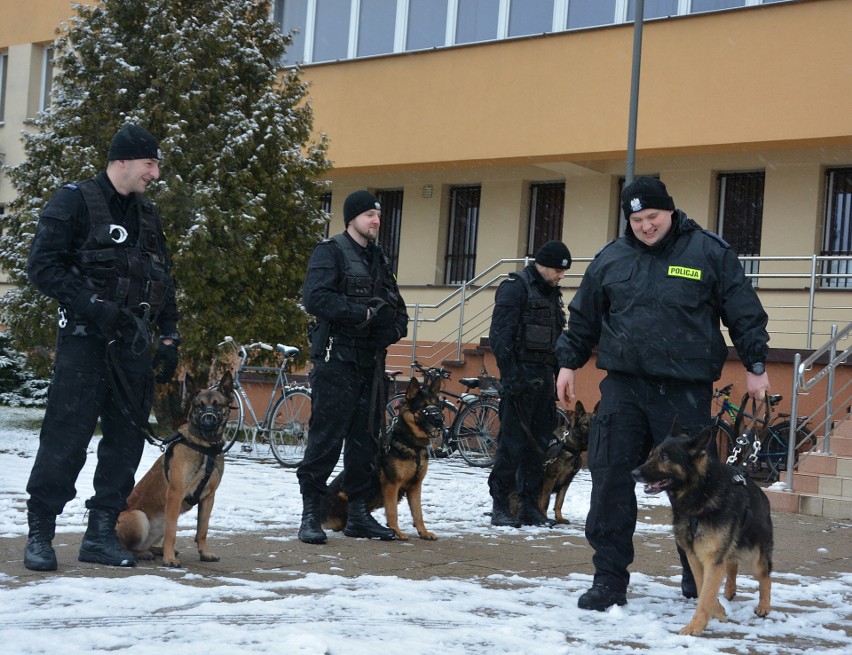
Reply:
x=80, y=392
x=636, y=413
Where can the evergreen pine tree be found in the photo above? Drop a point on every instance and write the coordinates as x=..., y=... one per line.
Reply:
x=240, y=177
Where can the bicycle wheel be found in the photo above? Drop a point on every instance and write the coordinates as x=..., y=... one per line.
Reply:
x=776, y=449
x=234, y=426
x=723, y=435
x=288, y=427
x=475, y=432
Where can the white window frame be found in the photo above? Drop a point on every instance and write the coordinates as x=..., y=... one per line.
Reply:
x=44, y=99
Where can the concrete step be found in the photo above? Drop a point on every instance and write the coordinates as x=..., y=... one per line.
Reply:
x=833, y=507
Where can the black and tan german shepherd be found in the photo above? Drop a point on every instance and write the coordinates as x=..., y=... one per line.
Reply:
x=186, y=474
x=720, y=518
x=564, y=459
x=402, y=467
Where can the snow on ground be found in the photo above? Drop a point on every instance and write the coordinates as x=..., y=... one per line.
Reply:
x=290, y=612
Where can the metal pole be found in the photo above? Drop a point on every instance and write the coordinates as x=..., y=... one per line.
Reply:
x=634, y=92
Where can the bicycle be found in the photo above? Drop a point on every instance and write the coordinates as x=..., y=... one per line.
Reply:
x=284, y=423
x=767, y=439
x=472, y=422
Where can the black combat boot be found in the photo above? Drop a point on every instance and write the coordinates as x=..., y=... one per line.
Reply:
x=100, y=543
x=501, y=515
x=38, y=553
x=310, y=531
x=361, y=523
x=530, y=514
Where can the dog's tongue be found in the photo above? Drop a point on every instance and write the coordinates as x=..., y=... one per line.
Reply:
x=655, y=487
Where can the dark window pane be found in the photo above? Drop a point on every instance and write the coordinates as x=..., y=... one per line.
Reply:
x=741, y=211
x=477, y=20
x=391, y=225
x=427, y=24
x=461, y=240
x=530, y=17
x=331, y=34
x=376, y=27
x=711, y=5
x=293, y=15
x=547, y=206
x=590, y=13
x=837, y=240
x=653, y=8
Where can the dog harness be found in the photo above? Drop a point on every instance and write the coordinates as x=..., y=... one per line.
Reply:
x=210, y=453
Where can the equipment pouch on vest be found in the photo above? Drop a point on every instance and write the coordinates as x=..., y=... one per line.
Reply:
x=537, y=338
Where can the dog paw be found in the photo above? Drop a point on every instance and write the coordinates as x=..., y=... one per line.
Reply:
x=693, y=628
x=400, y=535
x=208, y=557
x=562, y=521
x=173, y=563
x=428, y=536
x=144, y=555
x=762, y=610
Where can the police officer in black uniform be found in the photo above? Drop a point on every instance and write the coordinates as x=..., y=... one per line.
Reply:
x=99, y=250
x=351, y=290
x=652, y=302
x=527, y=319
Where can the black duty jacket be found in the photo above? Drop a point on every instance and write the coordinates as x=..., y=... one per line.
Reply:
x=506, y=333
x=342, y=316
x=656, y=310
x=53, y=265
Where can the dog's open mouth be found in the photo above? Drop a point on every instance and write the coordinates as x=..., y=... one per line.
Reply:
x=657, y=487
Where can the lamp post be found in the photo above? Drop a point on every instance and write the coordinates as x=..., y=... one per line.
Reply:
x=634, y=92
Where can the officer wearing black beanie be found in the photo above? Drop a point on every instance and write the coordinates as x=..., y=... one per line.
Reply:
x=100, y=252
x=527, y=319
x=351, y=290
x=651, y=302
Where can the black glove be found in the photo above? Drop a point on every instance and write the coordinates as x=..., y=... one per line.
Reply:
x=382, y=314
x=103, y=313
x=382, y=337
x=167, y=356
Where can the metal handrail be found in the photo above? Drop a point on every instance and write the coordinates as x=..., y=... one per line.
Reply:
x=459, y=298
x=804, y=385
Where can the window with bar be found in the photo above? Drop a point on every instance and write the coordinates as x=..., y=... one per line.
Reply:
x=740, y=214
x=837, y=241
x=389, y=230
x=547, y=205
x=461, y=241
x=325, y=203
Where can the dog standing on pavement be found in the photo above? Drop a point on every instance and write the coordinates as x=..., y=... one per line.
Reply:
x=186, y=474
x=564, y=458
x=403, y=465
x=720, y=518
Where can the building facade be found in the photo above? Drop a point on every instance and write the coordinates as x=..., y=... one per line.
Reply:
x=487, y=128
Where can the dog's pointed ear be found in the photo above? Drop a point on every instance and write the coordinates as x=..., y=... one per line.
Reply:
x=597, y=407
x=579, y=408
x=226, y=385
x=412, y=389
x=435, y=386
x=190, y=386
x=701, y=441
x=676, y=430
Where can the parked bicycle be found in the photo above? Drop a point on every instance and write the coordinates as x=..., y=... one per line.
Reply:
x=283, y=426
x=764, y=441
x=471, y=420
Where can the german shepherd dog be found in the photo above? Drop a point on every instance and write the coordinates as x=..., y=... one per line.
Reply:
x=564, y=458
x=403, y=466
x=186, y=474
x=720, y=517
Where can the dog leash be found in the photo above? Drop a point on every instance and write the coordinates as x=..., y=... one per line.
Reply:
x=749, y=437
x=125, y=396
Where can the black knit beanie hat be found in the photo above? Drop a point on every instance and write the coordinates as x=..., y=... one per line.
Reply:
x=644, y=193
x=553, y=254
x=357, y=203
x=133, y=142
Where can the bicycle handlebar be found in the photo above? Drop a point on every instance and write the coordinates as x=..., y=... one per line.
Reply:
x=432, y=371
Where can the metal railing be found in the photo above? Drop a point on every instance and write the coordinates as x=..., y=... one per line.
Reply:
x=805, y=321
x=837, y=399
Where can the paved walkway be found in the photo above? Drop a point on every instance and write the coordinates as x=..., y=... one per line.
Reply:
x=804, y=545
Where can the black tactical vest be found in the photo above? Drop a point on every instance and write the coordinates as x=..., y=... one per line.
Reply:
x=129, y=274
x=542, y=321
x=360, y=284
